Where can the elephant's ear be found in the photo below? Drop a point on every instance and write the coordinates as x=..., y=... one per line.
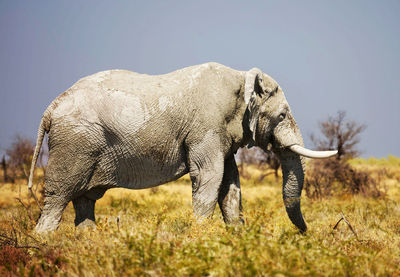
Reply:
x=253, y=86
x=254, y=114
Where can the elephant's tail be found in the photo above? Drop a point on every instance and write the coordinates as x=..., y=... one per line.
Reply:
x=44, y=127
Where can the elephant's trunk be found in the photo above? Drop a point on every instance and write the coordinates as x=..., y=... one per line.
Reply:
x=293, y=167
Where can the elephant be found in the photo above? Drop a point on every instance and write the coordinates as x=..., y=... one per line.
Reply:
x=119, y=128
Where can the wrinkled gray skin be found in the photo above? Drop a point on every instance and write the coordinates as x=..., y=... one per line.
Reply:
x=123, y=129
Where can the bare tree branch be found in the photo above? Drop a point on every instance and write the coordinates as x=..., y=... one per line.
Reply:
x=339, y=133
x=348, y=224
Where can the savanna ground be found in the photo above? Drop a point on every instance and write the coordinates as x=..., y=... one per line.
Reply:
x=153, y=233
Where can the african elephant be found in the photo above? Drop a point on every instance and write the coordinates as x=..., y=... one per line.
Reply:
x=123, y=129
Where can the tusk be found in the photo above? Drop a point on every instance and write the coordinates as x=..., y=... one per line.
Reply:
x=311, y=153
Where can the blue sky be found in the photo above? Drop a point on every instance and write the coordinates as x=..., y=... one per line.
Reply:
x=326, y=55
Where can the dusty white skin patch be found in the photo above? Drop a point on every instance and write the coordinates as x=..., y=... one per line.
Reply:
x=196, y=75
x=163, y=103
x=101, y=76
x=133, y=111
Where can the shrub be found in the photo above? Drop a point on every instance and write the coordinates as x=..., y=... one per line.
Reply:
x=15, y=259
x=335, y=177
x=20, y=155
x=11, y=258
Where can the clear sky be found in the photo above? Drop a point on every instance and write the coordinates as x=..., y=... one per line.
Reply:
x=326, y=55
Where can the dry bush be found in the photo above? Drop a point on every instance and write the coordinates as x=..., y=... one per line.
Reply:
x=336, y=176
x=17, y=162
x=21, y=254
x=11, y=258
x=19, y=157
x=16, y=261
x=332, y=177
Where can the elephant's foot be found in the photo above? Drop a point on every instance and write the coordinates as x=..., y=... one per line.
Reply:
x=47, y=223
x=86, y=224
x=233, y=221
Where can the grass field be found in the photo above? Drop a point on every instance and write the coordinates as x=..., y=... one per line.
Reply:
x=153, y=233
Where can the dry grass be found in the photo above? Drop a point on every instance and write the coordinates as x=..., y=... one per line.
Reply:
x=157, y=235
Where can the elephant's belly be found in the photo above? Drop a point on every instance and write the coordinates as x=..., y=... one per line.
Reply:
x=142, y=170
x=150, y=174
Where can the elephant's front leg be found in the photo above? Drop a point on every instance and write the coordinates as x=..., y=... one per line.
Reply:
x=206, y=172
x=229, y=198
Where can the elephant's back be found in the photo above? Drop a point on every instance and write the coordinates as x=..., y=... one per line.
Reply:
x=129, y=99
x=187, y=81
x=182, y=80
x=120, y=100
x=116, y=81
x=133, y=83
x=104, y=92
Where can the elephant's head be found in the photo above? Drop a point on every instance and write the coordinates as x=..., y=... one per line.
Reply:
x=271, y=124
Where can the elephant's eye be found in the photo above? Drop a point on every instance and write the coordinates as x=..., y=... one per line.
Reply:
x=282, y=116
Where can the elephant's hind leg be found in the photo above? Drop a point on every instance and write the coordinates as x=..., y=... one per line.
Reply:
x=50, y=217
x=84, y=212
x=66, y=177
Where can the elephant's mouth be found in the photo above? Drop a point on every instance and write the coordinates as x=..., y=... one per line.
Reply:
x=311, y=153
